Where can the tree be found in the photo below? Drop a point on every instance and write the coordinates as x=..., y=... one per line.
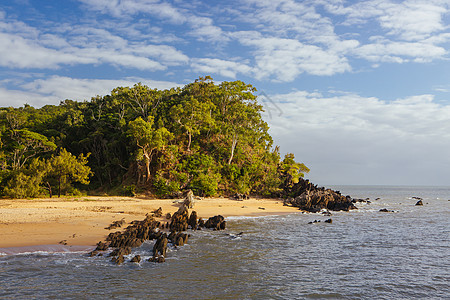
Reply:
x=148, y=139
x=291, y=170
x=67, y=168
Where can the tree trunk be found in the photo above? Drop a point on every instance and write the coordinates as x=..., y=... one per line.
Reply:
x=49, y=189
x=233, y=146
x=189, y=142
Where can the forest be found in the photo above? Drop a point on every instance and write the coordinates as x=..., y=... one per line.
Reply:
x=207, y=137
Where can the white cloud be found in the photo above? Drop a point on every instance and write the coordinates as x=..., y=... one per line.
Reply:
x=285, y=59
x=358, y=138
x=218, y=66
x=400, y=52
x=54, y=89
x=83, y=45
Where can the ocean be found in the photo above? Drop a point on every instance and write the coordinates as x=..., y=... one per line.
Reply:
x=362, y=254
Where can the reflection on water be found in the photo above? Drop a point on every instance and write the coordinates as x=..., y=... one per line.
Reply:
x=362, y=254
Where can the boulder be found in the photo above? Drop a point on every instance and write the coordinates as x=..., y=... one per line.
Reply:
x=192, y=222
x=217, y=223
x=179, y=221
x=136, y=259
x=419, y=202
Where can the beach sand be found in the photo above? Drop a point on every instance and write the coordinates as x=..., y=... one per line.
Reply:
x=81, y=221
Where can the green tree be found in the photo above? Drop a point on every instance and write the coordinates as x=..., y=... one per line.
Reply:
x=67, y=168
x=149, y=141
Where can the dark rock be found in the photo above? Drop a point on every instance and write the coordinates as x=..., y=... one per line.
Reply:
x=239, y=197
x=158, y=259
x=385, y=210
x=311, y=198
x=157, y=212
x=168, y=216
x=118, y=259
x=136, y=259
x=192, y=222
x=417, y=198
x=121, y=251
x=160, y=246
x=102, y=246
x=179, y=220
x=419, y=202
x=93, y=253
x=116, y=224
x=217, y=223
x=328, y=221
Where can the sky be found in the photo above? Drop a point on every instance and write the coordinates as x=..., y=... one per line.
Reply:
x=359, y=91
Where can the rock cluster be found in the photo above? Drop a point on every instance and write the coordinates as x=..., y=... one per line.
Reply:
x=151, y=229
x=307, y=196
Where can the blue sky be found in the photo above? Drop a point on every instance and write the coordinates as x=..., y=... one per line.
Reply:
x=358, y=90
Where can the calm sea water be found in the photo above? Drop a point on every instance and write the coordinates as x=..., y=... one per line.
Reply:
x=363, y=254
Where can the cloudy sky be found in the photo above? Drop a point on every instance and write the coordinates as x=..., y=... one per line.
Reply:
x=358, y=90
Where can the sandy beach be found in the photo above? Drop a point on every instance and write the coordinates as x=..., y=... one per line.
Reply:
x=81, y=221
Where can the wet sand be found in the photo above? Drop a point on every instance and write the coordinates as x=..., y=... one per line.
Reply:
x=81, y=221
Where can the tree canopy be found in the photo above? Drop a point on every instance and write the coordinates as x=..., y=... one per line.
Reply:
x=204, y=136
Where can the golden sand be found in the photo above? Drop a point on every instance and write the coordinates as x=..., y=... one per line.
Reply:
x=82, y=220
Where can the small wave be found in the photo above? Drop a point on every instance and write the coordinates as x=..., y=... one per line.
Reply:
x=44, y=250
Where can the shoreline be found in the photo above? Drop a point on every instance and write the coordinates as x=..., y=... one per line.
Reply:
x=81, y=221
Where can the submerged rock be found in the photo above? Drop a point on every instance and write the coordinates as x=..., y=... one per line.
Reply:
x=419, y=202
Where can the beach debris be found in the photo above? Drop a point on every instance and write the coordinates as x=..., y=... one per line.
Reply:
x=239, y=197
x=261, y=208
x=419, y=203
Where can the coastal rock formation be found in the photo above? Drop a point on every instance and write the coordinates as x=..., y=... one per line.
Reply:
x=307, y=196
x=419, y=202
x=217, y=223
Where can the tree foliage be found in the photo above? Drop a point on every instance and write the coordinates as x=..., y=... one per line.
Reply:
x=204, y=136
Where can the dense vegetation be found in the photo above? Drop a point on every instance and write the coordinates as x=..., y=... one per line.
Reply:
x=206, y=137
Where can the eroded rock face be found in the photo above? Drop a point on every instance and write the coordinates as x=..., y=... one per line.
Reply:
x=309, y=197
x=193, y=222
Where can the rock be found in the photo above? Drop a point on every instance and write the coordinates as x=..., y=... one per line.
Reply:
x=136, y=259
x=93, y=253
x=189, y=199
x=179, y=220
x=239, y=197
x=157, y=212
x=116, y=224
x=385, y=210
x=192, y=222
x=118, y=259
x=217, y=223
x=63, y=242
x=121, y=251
x=419, y=202
x=160, y=246
x=328, y=221
x=417, y=198
x=311, y=198
x=102, y=246
x=168, y=216
x=159, y=259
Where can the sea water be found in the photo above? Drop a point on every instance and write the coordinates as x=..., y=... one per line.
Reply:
x=362, y=254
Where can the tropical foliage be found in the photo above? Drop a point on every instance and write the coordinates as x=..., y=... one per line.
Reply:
x=205, y=136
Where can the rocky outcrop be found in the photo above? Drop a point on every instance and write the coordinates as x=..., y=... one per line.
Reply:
x=216, y=223
x=307, y=196
x=419, y=203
